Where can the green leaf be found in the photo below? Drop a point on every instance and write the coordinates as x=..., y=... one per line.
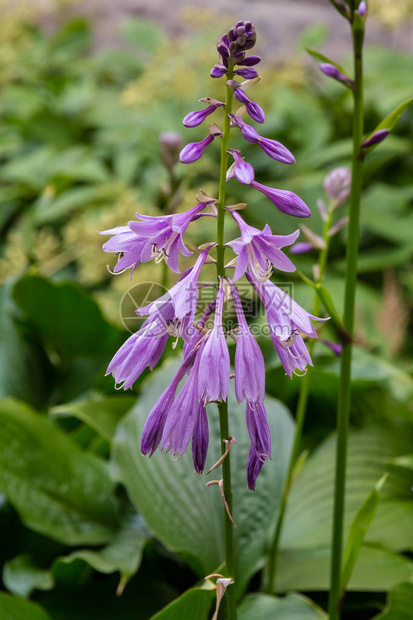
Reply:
x=14, y=608
x=63, y=204
x=376, y=570
x=57, y=490
x=358, y=531
x=291, y=607
x=143, y=33
x=23, y=369
x=123, y=553
x=102, y=414
x=322, y=58
x=21, y=576
x=194, y=603
x=404, y=461
x=67, y=321
x=179, y=509
x=388, y=123
x=399, y=604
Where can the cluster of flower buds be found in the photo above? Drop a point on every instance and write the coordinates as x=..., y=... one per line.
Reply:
x=178, y=417
x=233, y=47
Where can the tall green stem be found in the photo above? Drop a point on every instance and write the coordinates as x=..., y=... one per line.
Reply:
x=343, y=405
x=270, y=573
x=223, y=407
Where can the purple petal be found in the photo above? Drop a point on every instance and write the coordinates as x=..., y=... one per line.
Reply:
x=193, y=119
x=194, y=150
x=253, y=109
x=376, y=138
x=260, y=435
x=200, y=440
x=218, y=70
x=243, y=171
x=250, y=61
x=301, y=248
x=284, y=200
x=247, y=73
x=276, y=150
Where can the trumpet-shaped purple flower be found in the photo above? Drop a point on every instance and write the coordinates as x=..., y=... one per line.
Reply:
x=292, y=352
x=141, y=350
x=284, y=200
x=152, y=237
x=155, y=422
x=253, y=109
x=193, y=119
x=259, y=432
x=240, y=169
x=187, y=418
x=259, y=250
x=272, y=148
x=249, y=361
x=194, y=150
x=214, y=365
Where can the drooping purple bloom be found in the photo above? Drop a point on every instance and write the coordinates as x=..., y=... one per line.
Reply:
x=155, y=422
x=248, y=73
x=284, y=200
x=185, y=418
x=253, y=109
x=377, y=137
x=193, y=119
x=259, y=432
x=242, y=170
x=272, y=148
x=249, y=361
x=157, y=237
x=218, y=70
x=214, y=365
x=259, y=250
x=194, y=150
x=293, y=353
x=140, y=350
x=332, y=71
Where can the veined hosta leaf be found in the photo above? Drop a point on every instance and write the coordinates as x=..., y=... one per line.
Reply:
x=123, y=553
x=57, y=489
x=400, y=603
x=15, y=608
x=177, y=506
x=194, y=603
x=306, y=537
x=102, y=414
x=21, y=576
x=291, y=607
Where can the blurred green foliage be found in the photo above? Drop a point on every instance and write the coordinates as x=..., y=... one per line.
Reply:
x=79, y=153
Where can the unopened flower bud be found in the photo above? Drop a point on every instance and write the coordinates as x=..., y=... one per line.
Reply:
x=362, y=8
x=171, y=144
x=331, y=71
x=376, y=138
x=337, y=185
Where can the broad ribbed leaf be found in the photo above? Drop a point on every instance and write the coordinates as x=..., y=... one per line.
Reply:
x=123, y=553
x=291, y=607
x=400, y=603
x=15, y=608
x=57, y=489
x=194, y=603
x=177, y=506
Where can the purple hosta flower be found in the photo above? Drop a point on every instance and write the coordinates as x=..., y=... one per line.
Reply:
x=155, y=422
x=259, y=432
x=183, y=296
x=337, y=185
x=248, y=73
x=284, y=200
x=249, y=361
x=186, y=419
x=286, y=319
x=253, y=109
x=214, y=365
x=152, y=237
x=241, y=170
x=259, y=250
x=332, y=71
x=194, y=150
x=377, y=137
x=218, y=70
x=141, y=350
x=193, y=119
x=272, y=148
x=362, y=8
